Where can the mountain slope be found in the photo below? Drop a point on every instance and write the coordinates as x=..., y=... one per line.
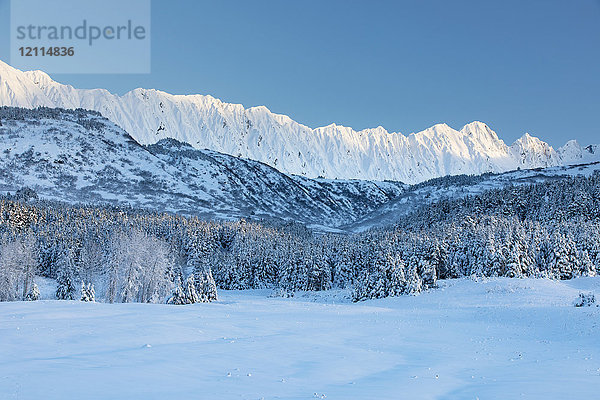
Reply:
x=455, y=187
x=80, y=156
x=332, y=151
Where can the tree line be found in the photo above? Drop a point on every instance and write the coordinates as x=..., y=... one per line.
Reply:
x=121, y=254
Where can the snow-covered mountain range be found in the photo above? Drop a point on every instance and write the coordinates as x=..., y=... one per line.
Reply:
x=332, y=151
x=79, y=156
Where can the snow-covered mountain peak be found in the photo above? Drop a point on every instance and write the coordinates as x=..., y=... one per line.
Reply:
x=332, y=126
x=437, y=131
x=572, y=152
x=263, y=113
x=443, y=128
x=530, y=150
x=16, y=88
x=480, y=130
x=5, y=68
x=379, y=131
x=571, y=144
x=259, y=109
x=531, y=142
x=527, y=138
x=40, y=78
x=476, y=125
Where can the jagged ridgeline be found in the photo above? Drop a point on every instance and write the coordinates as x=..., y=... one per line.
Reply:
x=549, y=229
x=256, y=133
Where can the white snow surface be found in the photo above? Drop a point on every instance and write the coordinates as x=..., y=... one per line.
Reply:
x=256, y=133
x=491, y=339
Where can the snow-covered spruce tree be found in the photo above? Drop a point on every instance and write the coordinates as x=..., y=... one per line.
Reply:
x=205, y=287
x=263, y=264
x=387, y=276
x=66, y=276
x=512, y=256
x=563, y=256
x=340, y=258
x=177, y=296
x=413, y=283
x=48, y=256
x=235, y=267
x=190, y=294
x=424, y=267
x=368, y=286
x=544, y=257
x=87, y=292
x=525, y=247
x=583, y=264
x=459, y=260
x=588, y=245
x=34, y=293
x=319, y=274
x=294, y=271
x=186, y=293
x=343, y=272
x=225, y=237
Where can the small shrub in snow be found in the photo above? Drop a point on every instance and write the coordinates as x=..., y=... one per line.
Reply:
x=34, y=293
x=585, y=300
x=87, y=292
x=201, y=289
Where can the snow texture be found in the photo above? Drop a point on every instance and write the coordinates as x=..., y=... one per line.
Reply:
x=497, y=338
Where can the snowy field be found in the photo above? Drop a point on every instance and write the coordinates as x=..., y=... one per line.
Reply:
x=494, y=339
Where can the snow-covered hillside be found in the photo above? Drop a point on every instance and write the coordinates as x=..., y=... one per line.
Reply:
x=79, y=156
x=82, y=157
x=455, y=187
x=492, y=339
x=332, y=151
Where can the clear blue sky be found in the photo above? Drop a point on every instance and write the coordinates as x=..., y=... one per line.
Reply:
x=517, y=65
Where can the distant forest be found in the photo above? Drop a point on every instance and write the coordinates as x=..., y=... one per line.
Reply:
x=113, y=254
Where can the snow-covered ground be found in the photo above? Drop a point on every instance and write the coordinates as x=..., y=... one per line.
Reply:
x=492, y=339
